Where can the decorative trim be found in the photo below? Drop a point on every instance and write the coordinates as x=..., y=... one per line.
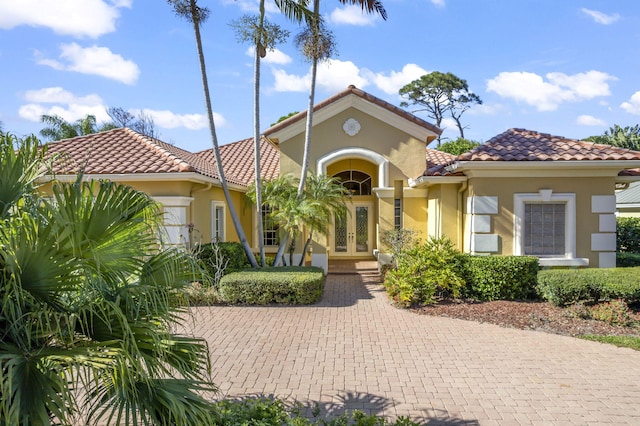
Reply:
x=351, y=127
x=353, y=152
x=607, y=223
x=484, y=243
x=214, y=206
x=603, y=204
x=561, y=261
x=481, y=223
x=607, y=260
x=484, y=204
x=173, y=201
x=603, y=242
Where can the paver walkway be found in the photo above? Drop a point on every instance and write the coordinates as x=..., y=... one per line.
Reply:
x=355, y=350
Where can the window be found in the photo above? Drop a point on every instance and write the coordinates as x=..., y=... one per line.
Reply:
x=397, y=213
x=269, y=228
x=544, y=229
x=545, y=226
x=217, y=221
x=357, y=183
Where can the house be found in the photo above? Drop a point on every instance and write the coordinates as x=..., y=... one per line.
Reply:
x=520, y=193
x=628, y=200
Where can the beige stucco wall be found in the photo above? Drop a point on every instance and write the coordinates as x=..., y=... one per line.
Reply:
x=583, y=187
x=199, y=211
x=405, y=153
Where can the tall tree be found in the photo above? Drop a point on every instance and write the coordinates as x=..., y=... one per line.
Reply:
x=141, y=123
x=622, y=137
x=58, y=128
x=439, y=94
x=317, y=44
x=89, y=303
x=197, y=15
x=458, y=146
x=264, y=36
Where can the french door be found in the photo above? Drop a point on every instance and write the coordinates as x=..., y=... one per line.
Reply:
x=353, y=231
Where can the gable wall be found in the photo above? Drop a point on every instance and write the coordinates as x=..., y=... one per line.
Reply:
x=405, y=153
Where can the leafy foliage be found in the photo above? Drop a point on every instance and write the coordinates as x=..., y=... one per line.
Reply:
x=425, y=272
x=264, y=411
x=438, y=93
x=566, y=286
x=88, y=301
x=232, y=253
x=615, y=312
x=289, y=285
x=622, y=137
x=458, y=146
x=500, y=277
x=627, y=260
x=628, y=234
x=58, y=128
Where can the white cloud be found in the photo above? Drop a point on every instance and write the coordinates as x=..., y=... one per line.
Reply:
x=599, y=17
x=632, y=106
x=590, y=120
x=351, y=15
x=391, y=84
x=547, y=95
x=333, y=76
x=170, y=120
x=94, y=60
x=57, y=101
x=439, y=3
x=78, y=18
x=275, y=56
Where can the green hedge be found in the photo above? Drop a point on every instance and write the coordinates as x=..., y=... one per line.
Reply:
x=500, y=277
x=567, y=286
x=288, y=285
x=628, y=234
x=627, y=260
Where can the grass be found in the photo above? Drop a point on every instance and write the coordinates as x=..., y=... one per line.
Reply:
x=621, y=341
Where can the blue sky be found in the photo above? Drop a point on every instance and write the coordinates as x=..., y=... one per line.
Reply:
x=570, y=68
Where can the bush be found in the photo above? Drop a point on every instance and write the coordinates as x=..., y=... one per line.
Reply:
x=424, y=272
x=500, y=277
x=628, y=234
x=566, y=286
x=231, y=258
x=264, y=411
x=288, y=285
x=627, y=259
x=615, y=312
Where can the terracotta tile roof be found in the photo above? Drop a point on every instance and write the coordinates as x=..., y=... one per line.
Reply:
x=526, y=145
x=364, y=95
x=124, y=151
x=237, y=159
x=436, y=162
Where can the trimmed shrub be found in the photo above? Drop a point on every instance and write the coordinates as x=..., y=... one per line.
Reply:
x=425, y=272
x=627, y=259
x=628, y=234
x=500, y=277
x=292, y=285
x=566, y=286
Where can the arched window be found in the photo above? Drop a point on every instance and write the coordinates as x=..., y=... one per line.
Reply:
x=357, y=183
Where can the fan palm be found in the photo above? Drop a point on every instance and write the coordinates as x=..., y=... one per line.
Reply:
x=88, y=301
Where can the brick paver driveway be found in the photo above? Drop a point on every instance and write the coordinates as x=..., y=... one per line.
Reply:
x=354, y=350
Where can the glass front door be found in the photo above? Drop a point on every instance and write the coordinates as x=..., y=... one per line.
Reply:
x=352, y=234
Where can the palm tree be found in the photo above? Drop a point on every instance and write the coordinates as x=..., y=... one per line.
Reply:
x=325, y=198
x=264, y=36
x=317, y=44
x=88, y=303
x=58, y=128
x=197, y=15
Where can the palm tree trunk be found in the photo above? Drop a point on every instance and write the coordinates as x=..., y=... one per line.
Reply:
x=214, y=140
x=256, y=135
x=312, y=95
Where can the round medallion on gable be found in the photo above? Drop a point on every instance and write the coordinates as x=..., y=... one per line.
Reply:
x=351, y=127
